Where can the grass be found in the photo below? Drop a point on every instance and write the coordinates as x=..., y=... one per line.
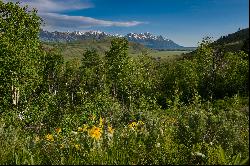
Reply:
x=168, y=54
x=76, y=49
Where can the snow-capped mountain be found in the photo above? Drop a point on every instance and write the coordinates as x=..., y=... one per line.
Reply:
x=152, y=41
x=147, y=39
x=71, y=36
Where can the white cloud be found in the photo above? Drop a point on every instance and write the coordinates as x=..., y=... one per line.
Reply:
x=58, y=5
x=77, y=22
x=50, y=11
x=55, y=5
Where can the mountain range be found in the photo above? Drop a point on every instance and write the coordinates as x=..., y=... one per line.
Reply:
x=146, y=39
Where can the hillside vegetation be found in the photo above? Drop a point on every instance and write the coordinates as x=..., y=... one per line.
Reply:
x=72, y=50
x=116, y=108
x=235, y=41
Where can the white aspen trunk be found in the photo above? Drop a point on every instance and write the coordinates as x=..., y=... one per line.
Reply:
x=15, y=95
x=49, y=89
x=114, y=90
x=52, y=86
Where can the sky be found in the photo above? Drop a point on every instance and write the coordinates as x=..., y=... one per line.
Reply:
x=186, y=22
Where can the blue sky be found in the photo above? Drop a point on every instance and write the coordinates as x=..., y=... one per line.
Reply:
x=185, y=22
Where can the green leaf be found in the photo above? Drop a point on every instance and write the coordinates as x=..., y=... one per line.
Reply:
x=237, y=159
x=222, y=155
x=245, y=161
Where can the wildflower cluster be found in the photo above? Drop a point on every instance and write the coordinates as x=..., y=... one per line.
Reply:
x=49, y=137
x=58, y=130
x=95, y=132
x=135, y=125
x=110, y=130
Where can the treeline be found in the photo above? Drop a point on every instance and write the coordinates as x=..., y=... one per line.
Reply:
x=191, y=111
x=240, y=35
x=238, y=41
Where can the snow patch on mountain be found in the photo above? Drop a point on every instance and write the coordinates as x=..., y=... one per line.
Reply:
x=147, y=39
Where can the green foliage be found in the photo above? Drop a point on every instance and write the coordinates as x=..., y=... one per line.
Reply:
x=116, y=66
x=220, y=74
x=70, y=82
x=92, y=73
x=245, y=46
x=53, y=62
x=71, y=50
x=19, y=53
x=239, y=35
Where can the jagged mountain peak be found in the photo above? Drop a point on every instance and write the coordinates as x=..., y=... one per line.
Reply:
x=147, y=39
x=146, y=35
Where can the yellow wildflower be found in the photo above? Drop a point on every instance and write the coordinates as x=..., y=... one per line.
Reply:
x=173, y=120
x=58, y=130
x=62, y=146
x=82, y=129
x=140, y=122
x=110, y=129
x=101, y=122
x=95, y=132
x=49, y=137
x=132, y=125
x=37, y=139
x=77, y=146
x=79, y=129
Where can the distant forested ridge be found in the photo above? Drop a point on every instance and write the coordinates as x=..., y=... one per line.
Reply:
x=235, y=41
x=240, y=35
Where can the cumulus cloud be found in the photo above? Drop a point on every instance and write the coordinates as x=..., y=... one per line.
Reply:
x=51, y=12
